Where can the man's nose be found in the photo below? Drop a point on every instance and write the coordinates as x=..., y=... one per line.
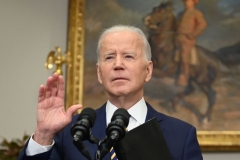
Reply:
x=118, y=62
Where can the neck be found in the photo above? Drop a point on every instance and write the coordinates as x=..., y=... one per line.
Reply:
x=189, y=7
x=125, y=102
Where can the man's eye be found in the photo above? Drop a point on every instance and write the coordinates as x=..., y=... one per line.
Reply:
x=129, y=57
x=109, y=57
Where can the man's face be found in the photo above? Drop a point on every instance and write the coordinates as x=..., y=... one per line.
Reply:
x=123, y=68
x=189, y=3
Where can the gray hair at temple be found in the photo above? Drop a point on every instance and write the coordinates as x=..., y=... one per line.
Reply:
x=117, y=28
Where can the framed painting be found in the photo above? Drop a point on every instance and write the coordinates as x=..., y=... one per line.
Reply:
x=211, y=98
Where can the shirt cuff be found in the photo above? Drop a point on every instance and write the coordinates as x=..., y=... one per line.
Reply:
x=34, y=148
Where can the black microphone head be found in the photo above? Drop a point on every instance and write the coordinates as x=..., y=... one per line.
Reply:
x=118, y=124
x=84, y=122
x=88, y=113
x=123, y=114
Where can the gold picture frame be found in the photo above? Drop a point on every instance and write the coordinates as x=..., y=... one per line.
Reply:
x=209, y=140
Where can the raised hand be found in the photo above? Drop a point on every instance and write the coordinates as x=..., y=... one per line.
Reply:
x=51, y=114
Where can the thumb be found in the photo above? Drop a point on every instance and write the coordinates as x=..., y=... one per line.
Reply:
x=71, y=110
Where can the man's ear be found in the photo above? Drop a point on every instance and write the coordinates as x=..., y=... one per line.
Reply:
x=149, y=70
x=99, y=74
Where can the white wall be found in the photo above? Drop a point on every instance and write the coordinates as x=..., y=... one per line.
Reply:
x=29, y=29
x=221, y=156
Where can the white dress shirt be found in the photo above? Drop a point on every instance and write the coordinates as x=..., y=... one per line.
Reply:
x=138, y=114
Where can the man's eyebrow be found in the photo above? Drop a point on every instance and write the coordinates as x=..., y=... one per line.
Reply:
x=128, y=52
x=109, y=54
x=112, y=53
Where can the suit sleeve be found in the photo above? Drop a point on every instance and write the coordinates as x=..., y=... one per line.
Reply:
x=42, y=156
x=53, y=154
x=192, y=149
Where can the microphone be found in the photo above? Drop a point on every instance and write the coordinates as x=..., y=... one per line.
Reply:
x=81, y=130
x=118, y=124
x=115, y=131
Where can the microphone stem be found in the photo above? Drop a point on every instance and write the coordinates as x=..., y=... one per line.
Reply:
x=80, y=146
x=110, y=142
x=112, y=139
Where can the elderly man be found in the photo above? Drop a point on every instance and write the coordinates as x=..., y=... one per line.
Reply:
x=124, y=65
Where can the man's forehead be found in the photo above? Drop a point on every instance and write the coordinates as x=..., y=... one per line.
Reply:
x=121, y=37
x=126, y=41
x=123, y=33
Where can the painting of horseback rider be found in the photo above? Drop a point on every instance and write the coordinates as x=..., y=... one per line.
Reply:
x=176, y=55
x=191, y=24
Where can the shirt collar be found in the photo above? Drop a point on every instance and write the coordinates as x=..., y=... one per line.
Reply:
x=138, y=111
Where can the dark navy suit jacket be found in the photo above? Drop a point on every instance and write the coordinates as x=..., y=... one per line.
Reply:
x=180, y=138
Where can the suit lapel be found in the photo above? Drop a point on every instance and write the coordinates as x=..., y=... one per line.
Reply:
x=151, y=113
x=99, y=128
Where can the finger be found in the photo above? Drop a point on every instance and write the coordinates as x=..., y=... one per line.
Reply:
x=54, y=85
x=41, y=93
x=55, y=74
x=48, y=87
x=61, y=87
x=73, y=109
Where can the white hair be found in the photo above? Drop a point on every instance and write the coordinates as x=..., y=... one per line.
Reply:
x=118, y=28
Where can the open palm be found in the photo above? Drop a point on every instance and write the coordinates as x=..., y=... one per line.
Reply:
x=51, y=114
